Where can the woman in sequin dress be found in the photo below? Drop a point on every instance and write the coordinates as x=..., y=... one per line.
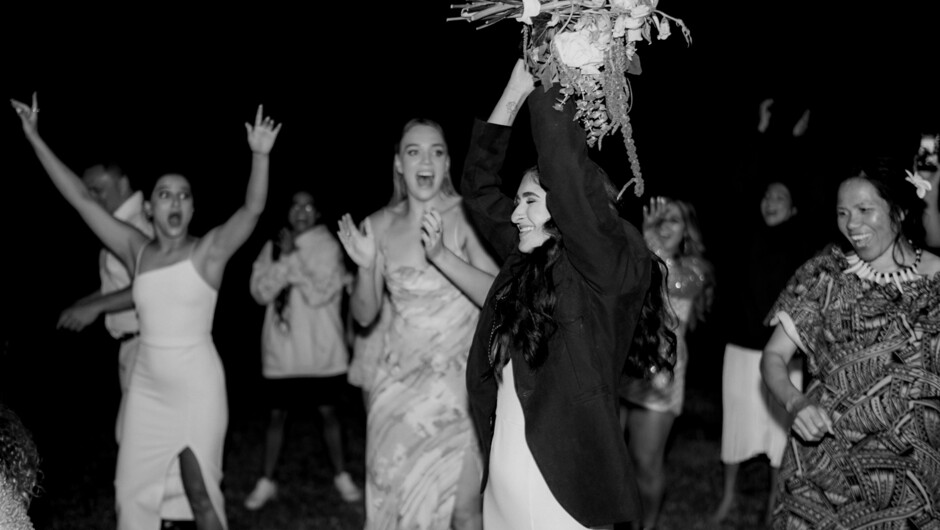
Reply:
x=864, y=449
x=671, y=231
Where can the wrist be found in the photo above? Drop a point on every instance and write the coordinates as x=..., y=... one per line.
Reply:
x=796, y=403
x=258, y=153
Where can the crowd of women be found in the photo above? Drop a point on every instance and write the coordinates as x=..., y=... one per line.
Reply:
x=523, y=356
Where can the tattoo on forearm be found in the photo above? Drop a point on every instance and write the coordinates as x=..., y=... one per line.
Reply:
x=512, y=108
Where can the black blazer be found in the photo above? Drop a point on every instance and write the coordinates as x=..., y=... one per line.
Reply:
x=570, y=402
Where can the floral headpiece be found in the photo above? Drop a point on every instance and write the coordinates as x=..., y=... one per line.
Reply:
x=587, y=46
x=923, y=185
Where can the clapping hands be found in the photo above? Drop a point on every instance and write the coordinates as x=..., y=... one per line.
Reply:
x=432, y=230
x=262, y=135
x=359, y=242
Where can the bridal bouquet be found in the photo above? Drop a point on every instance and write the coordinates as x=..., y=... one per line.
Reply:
x=588, y=47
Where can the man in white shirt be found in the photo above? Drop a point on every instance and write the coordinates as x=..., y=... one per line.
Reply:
x=112, y=189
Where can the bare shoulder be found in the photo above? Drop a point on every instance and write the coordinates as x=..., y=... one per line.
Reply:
x=382, y=218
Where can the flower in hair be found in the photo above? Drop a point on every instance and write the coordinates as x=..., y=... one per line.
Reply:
x=919, y=182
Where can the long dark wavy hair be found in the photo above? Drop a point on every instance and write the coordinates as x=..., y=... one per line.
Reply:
x=653, y=350
x=525, y=306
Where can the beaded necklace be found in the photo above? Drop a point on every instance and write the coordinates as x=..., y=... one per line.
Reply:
x=864, y=271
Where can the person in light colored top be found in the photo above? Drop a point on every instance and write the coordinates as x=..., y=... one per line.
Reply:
x=301, y=278
x=113, y=190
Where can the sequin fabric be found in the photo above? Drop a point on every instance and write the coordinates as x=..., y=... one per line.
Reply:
x=873, y=356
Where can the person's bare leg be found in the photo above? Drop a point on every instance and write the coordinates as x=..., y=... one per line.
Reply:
x=196, y=492
x=649, y=432
x=728, y=495
x=468, y=507
x=771, y=495
x=274, y=441
x=333, y=438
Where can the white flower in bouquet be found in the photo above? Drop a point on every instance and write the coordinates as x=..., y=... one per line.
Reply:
x=577, y=51
x=588, y=47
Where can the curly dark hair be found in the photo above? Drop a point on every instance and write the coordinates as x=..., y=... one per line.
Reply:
x=19, y=458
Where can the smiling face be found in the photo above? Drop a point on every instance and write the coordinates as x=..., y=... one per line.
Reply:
x=670, y=230
x=422, y=161
x=530, y=214
x=777, y=205
x=302, y=214
x=171, y=205
x=864, y=219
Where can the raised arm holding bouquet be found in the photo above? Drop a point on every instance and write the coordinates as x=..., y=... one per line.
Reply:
x=587, y=47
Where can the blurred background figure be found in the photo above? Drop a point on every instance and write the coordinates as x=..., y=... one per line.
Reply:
x=771, y=250
x=300, y=277
x=671, y=231
x=866, y=313
x=114, y=191
x=19, y=471
x=927, y=175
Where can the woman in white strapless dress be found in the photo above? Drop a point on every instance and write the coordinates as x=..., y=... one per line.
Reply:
x=170, y=456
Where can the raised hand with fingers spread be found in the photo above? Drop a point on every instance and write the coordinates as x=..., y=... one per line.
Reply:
x=359, y=242
x=263, y=133
x=29, y=115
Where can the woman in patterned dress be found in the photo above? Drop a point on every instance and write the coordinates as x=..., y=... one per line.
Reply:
x=420, y=254
x=863, y=449
x=671, y=231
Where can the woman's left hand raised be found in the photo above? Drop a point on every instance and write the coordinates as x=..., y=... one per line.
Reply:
x=432, y=230
x=29, y=116
x=262, y=135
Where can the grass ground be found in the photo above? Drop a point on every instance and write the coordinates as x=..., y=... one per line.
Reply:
x=79, y=491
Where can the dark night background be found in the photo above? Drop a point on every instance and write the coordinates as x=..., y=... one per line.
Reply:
x=169, y=90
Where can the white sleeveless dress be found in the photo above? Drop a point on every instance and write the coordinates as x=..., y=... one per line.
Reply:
x=176, y=400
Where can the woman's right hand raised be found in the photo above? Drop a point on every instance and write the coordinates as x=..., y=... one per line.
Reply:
x=517, y=89
x=359, y=242
x=29, y=116
x=521, y=80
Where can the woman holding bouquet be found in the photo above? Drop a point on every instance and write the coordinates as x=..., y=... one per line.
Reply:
x=557, y=325
x=421, y=255
x=170, y=457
